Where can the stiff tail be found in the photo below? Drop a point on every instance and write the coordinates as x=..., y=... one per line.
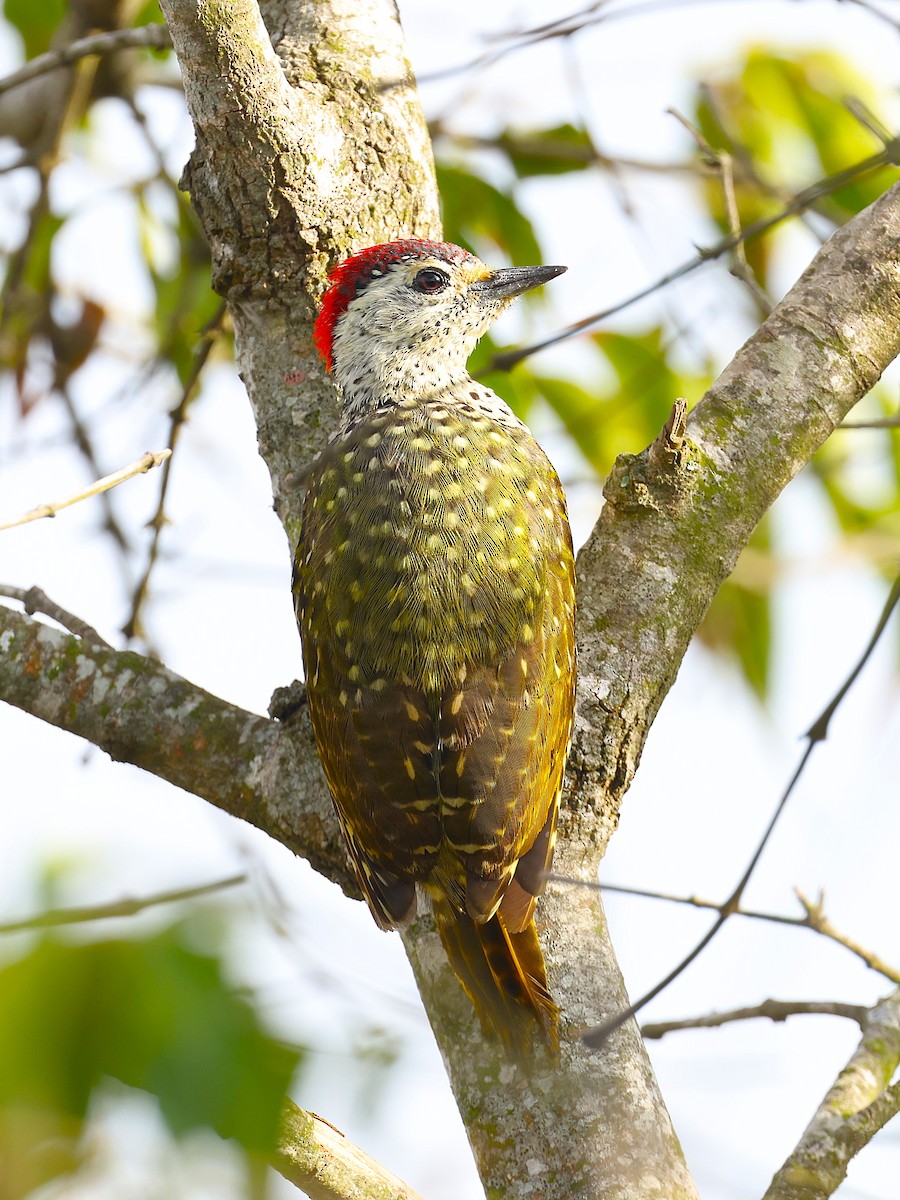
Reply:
x=504, y=975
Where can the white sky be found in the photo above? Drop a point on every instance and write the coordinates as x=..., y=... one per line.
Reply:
x=714, y=764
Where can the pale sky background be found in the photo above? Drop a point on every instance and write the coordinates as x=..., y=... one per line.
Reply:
x=221, y=615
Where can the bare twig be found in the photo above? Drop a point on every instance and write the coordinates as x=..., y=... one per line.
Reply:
x=127, y=907
x=155, y=37
x=177, y=419
x=507, y=359
x=815, y=918
x=774, y=1010
x=597, y=1036
x=875, y=423
x=85, y=445
x=724, y=165
x=816, y=733
x=34, y=601
x=563, y=27
x=748, y=167
x=145, y=463
x=877, y=12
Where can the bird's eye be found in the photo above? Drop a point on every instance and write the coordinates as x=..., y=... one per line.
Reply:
x=430, y=281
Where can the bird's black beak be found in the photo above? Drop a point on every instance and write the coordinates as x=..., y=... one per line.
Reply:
x=509, y=282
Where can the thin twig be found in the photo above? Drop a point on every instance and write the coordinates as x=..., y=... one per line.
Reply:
x=597, y=1036
x=563, y=27
x=127, y=907
x=816, y=733
x=507, y=359
x=815, y=918
x=875, y=423
x=155, y=37
x=145, y=463
x=749, y=172
x=877, y=12
x=723, y=163
x=774, y=1010
x=33, y=600
x=176, y=421
x=85, y=445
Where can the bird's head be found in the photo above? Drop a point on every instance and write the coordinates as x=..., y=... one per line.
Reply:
x=406, y=315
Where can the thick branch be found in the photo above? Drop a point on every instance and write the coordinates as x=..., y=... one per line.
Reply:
x=262, y=771
x=676, y=520
x=859, y=1104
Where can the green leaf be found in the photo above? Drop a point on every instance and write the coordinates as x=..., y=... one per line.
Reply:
x=582, y=414
x=786, y=124
x=627, y=416
x=36, y=21
x=548, y=151
x=153, y=1014
x=147, y=14
x=185, y=302
x=479, y=216
x=739, y=620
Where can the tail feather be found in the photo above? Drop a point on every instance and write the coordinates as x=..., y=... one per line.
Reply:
x=505, y=977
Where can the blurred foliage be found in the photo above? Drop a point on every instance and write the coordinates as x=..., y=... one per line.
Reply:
x=739, y=621
x=483, y=218
x=547, y=151
x=155, y=1014
x=35, y=23
x=786, y=122
x=185, y=302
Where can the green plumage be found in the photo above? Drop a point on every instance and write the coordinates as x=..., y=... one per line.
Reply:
x=435, y=591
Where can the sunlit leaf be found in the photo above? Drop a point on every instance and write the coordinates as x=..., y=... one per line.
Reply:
x=479, y=216
x=547, y=151
x=786, y=124
x=739, y=620
x=607, y=421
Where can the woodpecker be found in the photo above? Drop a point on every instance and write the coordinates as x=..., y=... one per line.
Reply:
x=434, y=586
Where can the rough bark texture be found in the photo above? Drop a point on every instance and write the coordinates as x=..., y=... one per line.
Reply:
x=300, y=159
